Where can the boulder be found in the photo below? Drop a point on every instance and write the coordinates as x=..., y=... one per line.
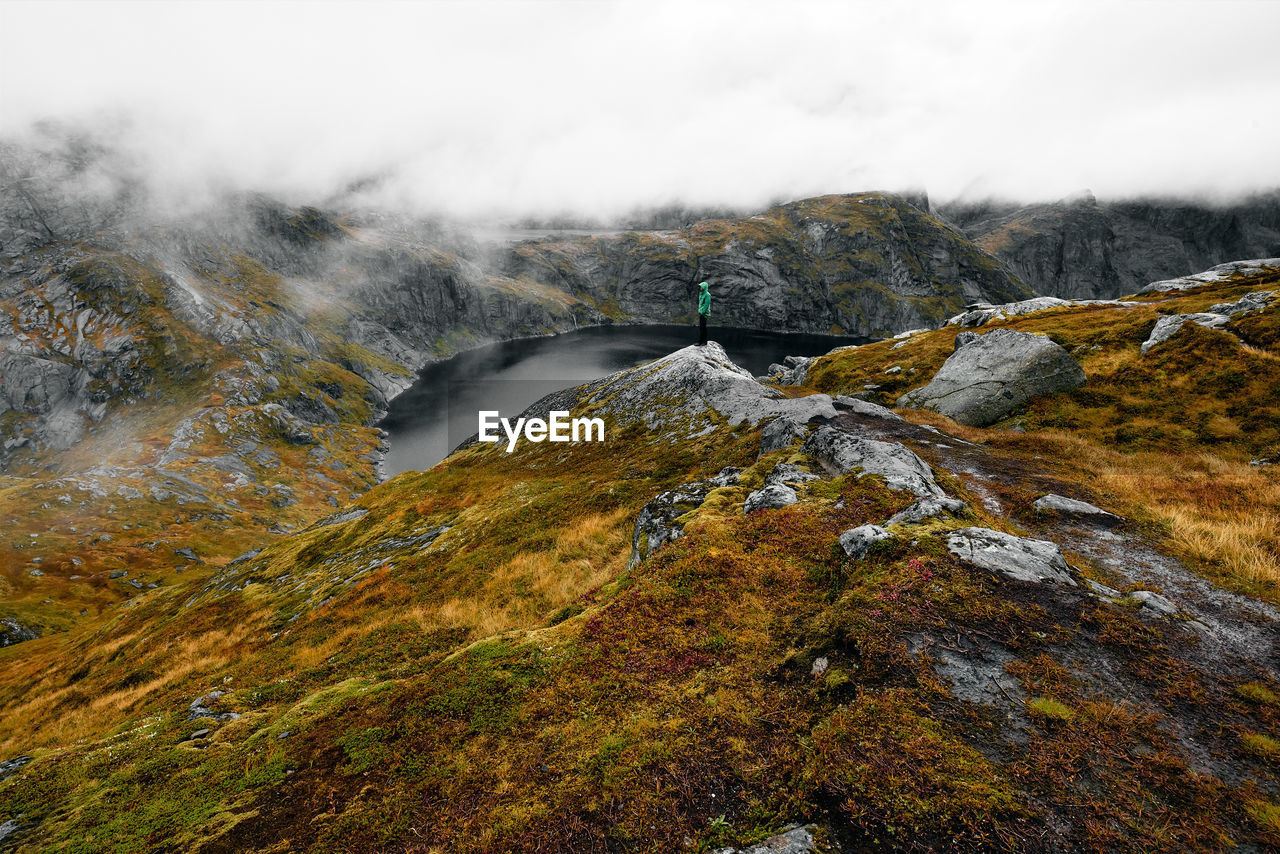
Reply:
x=857, y=541
x=840, y=452
x=1052, y=503
x=657, y=524
x=770, y=496
x=1255, y=301
x=779, y=488
x=988, y=376
x=1169, y=325
x=928, y=508
x=1016, y=558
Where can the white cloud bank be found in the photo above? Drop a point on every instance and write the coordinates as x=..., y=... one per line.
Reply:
x=472, y=107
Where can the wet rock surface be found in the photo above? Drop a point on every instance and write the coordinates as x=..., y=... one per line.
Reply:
x=1015, y=558
x=841, y=452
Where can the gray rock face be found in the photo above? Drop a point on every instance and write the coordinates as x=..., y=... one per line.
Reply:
x=857, y=541
x=1154, y=604
x=988, y=376
x=779, y=488
x=928, y=508
x=1080, y=248
x=1255, y=301
x=657, y=523
x=1052, y=503
x=842, y=452
x=1016, y=558
x=12, y=766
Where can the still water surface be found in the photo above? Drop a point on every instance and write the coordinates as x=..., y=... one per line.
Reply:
x=440, y=410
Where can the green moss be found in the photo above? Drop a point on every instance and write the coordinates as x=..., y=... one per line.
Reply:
x=1049, y=709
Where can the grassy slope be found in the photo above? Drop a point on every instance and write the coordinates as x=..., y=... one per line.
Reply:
x=1168, y=437
x=512, y=687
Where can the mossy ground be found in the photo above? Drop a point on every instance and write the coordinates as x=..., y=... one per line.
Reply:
x=1167, y=437
x=507, y=684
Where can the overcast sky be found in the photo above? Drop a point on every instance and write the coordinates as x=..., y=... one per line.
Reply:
x=597, y=107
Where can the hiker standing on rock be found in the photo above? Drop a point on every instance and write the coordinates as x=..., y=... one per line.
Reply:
x=704, y=311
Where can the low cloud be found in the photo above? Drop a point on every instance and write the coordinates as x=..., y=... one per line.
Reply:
x=597, y=108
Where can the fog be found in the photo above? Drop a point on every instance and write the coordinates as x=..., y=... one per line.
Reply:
x=482, y=108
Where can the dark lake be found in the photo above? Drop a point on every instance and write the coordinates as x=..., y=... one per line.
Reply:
x=440, y=410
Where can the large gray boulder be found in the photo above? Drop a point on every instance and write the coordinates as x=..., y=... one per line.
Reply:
x=770, y=497
x=840, y=452
x=988, y=376
x=1016, y=558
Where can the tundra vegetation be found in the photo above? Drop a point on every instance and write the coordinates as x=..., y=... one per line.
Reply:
x=461, y=658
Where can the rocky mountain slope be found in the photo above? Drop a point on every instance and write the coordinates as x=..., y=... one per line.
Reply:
x=868, y=264
x=1079, y=248
x=756, y=605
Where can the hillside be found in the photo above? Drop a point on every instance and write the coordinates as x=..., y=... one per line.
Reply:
x=867, y=264
x=916, y=642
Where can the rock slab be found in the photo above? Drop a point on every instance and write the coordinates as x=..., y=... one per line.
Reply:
x=1016, y=558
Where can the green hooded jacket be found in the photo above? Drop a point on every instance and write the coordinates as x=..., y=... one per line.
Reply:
x=704, y=300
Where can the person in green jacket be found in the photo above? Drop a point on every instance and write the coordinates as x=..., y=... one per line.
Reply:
x=704, y=311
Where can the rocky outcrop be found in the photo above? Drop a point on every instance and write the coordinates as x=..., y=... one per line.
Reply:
x=1217, y=317
x=657, y=523
x=840, y=453
x=688, y=391
x=12, y=631
x=869, y=264
x=1016, y=558
x=795, y=840
x=981, y=314
x=988, y=376
x=1215, y=274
